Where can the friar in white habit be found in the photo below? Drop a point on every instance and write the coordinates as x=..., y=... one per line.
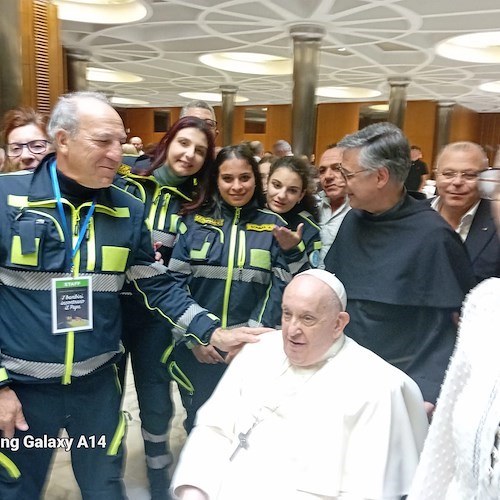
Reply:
x=306, y=413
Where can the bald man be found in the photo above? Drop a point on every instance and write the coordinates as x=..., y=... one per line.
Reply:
x=306, y=413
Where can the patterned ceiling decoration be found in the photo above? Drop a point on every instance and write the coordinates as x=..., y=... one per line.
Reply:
x=381, y=38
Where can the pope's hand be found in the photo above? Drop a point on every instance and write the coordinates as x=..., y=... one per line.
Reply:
x=226, y=340
x=11, y=413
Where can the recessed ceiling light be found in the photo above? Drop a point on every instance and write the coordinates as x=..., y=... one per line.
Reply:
x=210, y=96
x=347, y=92
x=379, y=108
x=248, y=62
x=102, y=11
x=474, y=47
x=127, y=101
x=491, y=87
x=107, y=75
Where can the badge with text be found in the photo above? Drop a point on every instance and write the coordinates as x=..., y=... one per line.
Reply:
x=71, y=304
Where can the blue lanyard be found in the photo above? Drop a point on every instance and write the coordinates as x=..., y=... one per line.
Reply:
x=71, y=251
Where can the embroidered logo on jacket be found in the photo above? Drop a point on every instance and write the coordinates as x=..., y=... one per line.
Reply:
x=260, y=227
x=208, y=220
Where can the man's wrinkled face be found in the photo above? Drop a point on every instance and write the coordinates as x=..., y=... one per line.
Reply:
x=310, y=321
x=92, y=156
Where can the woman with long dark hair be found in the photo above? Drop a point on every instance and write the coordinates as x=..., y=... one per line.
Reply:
x=167, y=185
x=228, y=257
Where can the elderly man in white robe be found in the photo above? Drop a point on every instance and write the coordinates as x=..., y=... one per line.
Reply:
x=306, y=413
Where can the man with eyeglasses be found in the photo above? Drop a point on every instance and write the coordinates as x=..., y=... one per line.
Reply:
x=460, y=204
x=202, y=110
x=405, y=270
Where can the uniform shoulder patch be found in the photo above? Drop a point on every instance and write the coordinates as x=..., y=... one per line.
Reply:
x=124, y=169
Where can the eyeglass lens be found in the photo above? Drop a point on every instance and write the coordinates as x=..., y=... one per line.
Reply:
x=36, y=147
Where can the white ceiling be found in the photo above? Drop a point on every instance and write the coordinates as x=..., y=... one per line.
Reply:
x=384, y=38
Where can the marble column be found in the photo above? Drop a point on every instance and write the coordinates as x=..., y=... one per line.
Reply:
x=228, y=99
x=306, y=58
x=77, y=62
x=444, y=111
x=397, y=100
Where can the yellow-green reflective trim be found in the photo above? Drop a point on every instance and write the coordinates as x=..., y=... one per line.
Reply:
x=117, y=379
x=152, y=209
x=317, y=245
x=3, y=374
x=174, y=220
x=17, y=201
x=91, y=247
x=230, y=267
x=11, y=467
x=202, y=253
x=17, y=256
x=167, y=352
x=163, y=211
x=118, y=437
x=182, y=379
x=301, y=246
x=242, y=250
x=120, y=212
x=68, y=357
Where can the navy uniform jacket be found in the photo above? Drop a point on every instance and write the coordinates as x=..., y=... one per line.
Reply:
x=309, y=248
x=483, y=244
x=405, y=272
x=232, y=265
x=33, y=250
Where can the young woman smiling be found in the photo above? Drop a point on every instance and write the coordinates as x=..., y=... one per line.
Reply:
x=178, y=172
x=233, y=266
x=289, y=194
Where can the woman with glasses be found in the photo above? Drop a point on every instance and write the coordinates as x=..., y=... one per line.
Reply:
x=289, y=194
x=228, y=258
x=24, y=134
x=166, y=185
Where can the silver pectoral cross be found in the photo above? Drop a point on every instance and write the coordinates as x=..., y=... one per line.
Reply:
x=242, y=443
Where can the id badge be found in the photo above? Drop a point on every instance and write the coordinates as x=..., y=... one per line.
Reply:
x=71, y=304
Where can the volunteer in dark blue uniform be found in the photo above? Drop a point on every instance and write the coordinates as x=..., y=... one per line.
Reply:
x=227, y=256
x=68, y=239
x=178, y=170
x=289, y=193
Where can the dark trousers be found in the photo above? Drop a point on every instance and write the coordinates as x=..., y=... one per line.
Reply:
x=202, y=380
x=89, y=410
x=147, y=338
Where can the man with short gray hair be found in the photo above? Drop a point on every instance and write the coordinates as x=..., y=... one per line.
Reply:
x=405, y=270
x=203, y=111
x=282, y=148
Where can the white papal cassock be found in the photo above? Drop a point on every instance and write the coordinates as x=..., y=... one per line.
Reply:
x=351, y=427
